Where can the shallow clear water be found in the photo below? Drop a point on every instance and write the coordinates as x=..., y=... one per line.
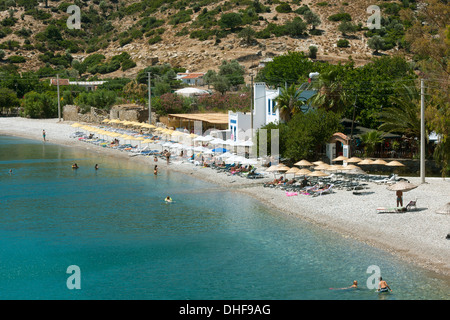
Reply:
x=129, y=244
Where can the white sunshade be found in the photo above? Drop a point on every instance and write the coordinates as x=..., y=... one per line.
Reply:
x=187, y=92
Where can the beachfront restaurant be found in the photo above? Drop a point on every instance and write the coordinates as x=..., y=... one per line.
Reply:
x=197, y=123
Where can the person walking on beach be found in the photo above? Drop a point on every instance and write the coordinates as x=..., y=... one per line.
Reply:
x=383, y=286
x=399, y=198
x=43, y=135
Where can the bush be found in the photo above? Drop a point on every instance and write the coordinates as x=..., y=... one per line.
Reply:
x=16, y=59
x=342, y=43
x=128, y=64
x=340, y=17
x=40, y=105
x=283, y=8
x=155, y=40
x=312, y=52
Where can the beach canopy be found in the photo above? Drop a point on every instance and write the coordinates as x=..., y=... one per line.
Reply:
x=76, y=125
x=395, y=164
x=340, y=158
x=318, y=163
x=187, y=92
x=272, y=168
x=365, y=161
x=402, y=186
x=354, y=160
x=317, y=173
x=303, y=171
x=379, y=161
x=222, y=150
x=303, y=163
x=444, y=210
x=293, y=170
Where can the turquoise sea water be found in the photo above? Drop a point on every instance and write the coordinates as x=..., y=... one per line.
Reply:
x=208, y=244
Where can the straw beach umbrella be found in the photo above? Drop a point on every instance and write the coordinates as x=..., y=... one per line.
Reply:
x=379, y=161
x=303, y=163
x=317, y=173
x=354, y=160
x=303, y=172
x=365, y=162
x=340, y=158
x=403, y=186
x=444, y=210
x=395, y=164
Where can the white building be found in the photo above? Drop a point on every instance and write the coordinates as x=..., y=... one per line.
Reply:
x=264, y=110
x=192, y=79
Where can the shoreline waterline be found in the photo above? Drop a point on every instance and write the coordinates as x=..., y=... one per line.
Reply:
x=328, y=211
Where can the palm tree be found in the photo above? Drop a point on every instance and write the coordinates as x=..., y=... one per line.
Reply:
x=370, y=140
x=403, y=116
x=331, y=95
x=289, y=102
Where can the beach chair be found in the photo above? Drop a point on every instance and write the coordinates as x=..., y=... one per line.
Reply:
x=391, y=210
x=392, y=179
x=411, y=204
x=320, y=192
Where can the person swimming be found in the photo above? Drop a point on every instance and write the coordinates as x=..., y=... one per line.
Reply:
x=75, y=166
x=168, y=199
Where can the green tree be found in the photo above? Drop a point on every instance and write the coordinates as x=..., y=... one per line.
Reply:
x=8, y=99
x=312, y=19
x=230, y=20
x=370, y=140
x=403, y=116
x=40, y=105
x=308, y=132
x=347, y=27
x=232, y=71
x=295, y=27
x=376, y=43
x=288, y=102
x=247, y=35
x=292, y=67
x=331, y=95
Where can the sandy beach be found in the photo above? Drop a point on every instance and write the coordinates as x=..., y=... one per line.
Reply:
x=416, y=236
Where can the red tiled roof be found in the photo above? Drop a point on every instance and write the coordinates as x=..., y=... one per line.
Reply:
x=192, y=75
x=62, y=82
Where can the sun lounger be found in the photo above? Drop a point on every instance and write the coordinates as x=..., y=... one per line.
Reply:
x=411, y=204
x=320, y=192
x=391, y=210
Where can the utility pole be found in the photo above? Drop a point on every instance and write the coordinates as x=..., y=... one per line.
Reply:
x=352, y=144
x=252, y=105
x=59, y=99
x=149, y=100
x=422, y=131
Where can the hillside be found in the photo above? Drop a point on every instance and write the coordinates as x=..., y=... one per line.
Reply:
x=183, y=33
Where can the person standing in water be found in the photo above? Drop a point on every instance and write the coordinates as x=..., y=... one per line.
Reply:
x=155, y=170
x=96, y=166
x=383, y=286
